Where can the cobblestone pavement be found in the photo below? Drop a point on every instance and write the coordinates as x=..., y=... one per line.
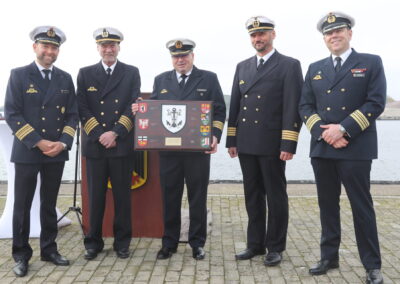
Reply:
x=228, y=236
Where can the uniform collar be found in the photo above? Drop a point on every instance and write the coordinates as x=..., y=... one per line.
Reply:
x=266, y=56
x=112, y=67
x=343, y=56
x=178, y=75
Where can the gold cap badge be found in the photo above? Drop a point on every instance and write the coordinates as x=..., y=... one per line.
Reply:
x=331, y=19
x=256, y=23
x=105, y=33
x=51, y=33
x=178, y=44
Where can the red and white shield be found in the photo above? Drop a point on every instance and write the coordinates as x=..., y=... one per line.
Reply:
x=142, y=107
x=143, y=123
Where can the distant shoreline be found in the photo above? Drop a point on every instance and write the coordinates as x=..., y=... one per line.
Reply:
x=390, y=113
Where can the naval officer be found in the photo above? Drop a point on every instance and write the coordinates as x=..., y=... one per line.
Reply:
x=106, y=91
x=41, y=109
x=263, y=130
x=187, y=82
x=342, y=97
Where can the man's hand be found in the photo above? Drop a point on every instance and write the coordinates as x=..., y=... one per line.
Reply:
x=135, y=106
x=107, y=139
x=286, y=156
x=331, y=133
x=214, y=146
x=341, y=143
x=55, y=148
x=44, y=145
x=232, y=152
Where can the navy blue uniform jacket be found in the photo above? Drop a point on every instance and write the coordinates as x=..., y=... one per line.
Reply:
x=263, y=116
x=34, y=115
x=105, y=105
x=201, y=85
x=353, y=97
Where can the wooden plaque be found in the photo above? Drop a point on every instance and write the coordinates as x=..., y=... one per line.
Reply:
x=173, y=125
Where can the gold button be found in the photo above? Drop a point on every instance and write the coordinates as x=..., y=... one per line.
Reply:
x=116, y=112
x=58, y=129
x=43, y=118
x=43, y=130
x=343, y=108
x=116, y=100
x=57, y=106
x=343, y=89
x=257, y=109
x=18, y=123
x=243, y=119
x=255, y=121
x=369, y=114
x=58, y=118
x=101, y=113
x=102, y=102
x=259, y=97
x=244, y=108
x=104, y=125
x=42, y=107
x=245, y=96
x=115, y=123
x=328, y=108
x=329, y=91
x=305, y=117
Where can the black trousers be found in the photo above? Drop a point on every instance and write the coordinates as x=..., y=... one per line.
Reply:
x=119, y=170
x=175, y=170
x=355, y=176
x=264, y=184
x=24, y=191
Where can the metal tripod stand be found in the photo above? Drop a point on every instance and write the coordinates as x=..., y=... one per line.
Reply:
x=74, y=207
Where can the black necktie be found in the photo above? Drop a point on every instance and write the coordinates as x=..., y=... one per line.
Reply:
x=46, y=79
x=46, y=74
x=182, y=82
x=260, y=63
x=338, y=64
x=108, y=72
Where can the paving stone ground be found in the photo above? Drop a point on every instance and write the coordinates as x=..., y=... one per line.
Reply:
x=228, y=236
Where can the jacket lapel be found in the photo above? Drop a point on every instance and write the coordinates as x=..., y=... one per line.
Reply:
x=36, y=77
x=328, y=69
x=351, y=61
x=251, y=72
x=114, y=80
x=173, y=86
x=193, y=80
x=267, y=67
x=52, y=90
x=100, y=76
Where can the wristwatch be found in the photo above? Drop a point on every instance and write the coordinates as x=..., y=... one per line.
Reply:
x=342, y=129
x=64, y=145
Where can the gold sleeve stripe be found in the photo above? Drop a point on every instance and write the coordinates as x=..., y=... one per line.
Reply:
x=126, y=122
x=360, y=118
x=290, y=135
x=69, y=130
x=312, y=120
x=231, y=131
x=90, y=125
x=218, y=124
x=24, y=131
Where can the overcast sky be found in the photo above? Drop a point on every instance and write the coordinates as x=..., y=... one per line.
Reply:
x=217, y=27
